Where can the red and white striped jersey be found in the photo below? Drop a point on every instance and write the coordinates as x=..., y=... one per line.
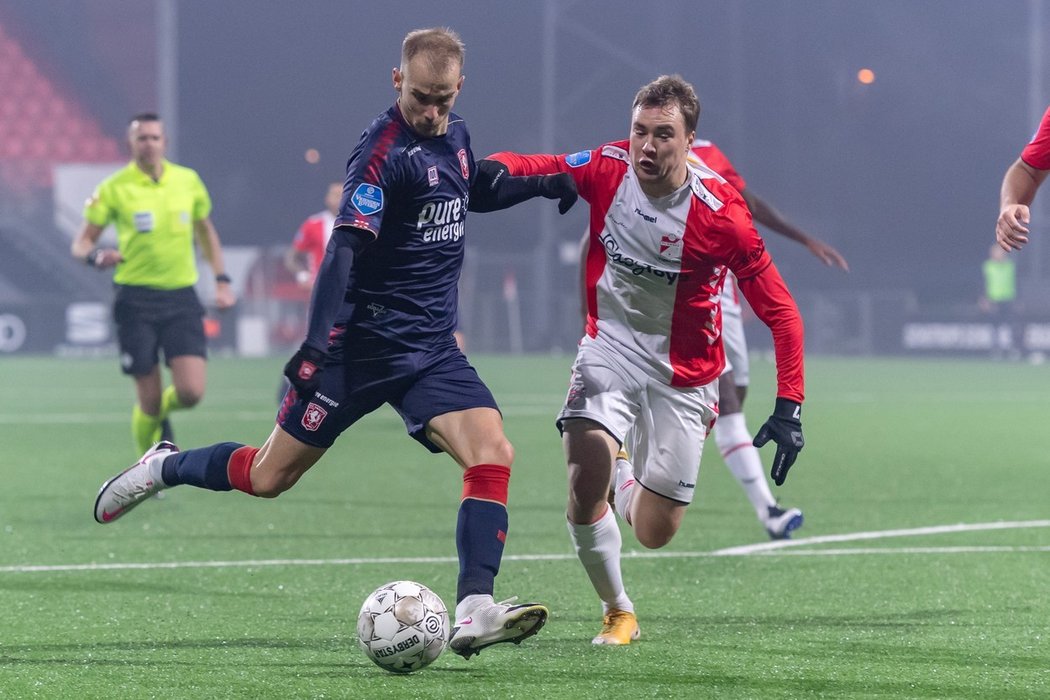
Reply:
x=712, y=156
x=655, y=267
x=1037, y=153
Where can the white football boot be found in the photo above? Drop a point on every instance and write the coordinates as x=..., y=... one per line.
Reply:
x=492, y=623
x=133, y=485
x=780, y=522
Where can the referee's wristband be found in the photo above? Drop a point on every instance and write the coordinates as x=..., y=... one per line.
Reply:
x=223, y=278
x=92, y=258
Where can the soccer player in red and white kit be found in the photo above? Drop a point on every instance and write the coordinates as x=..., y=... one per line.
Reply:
x=1020, y=184
x=303, y=258
x=732, y=437
x=664, y=235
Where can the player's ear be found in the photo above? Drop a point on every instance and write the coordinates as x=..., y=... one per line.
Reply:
x=459, y=85
x=690, y=139
x=397, y=78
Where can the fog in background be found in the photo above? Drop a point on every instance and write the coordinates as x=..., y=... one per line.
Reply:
x=902, y=175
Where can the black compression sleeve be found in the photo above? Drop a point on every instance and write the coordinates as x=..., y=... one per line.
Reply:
x=495, y=188
x=333, y=279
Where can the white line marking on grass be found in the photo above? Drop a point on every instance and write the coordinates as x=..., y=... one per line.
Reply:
x=763, y=549
x=880, y=534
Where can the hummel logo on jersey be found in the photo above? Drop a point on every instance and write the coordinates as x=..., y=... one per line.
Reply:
x=376, y=309
x=650, y=219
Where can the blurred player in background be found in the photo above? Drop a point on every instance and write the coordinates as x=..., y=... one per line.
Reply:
x=664, y=235
x=303, y=257
x=381, y=321
x=1021, y=182
x=158, y=208
x=731, y=434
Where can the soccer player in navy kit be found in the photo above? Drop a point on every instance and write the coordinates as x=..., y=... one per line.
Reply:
x=381, y=321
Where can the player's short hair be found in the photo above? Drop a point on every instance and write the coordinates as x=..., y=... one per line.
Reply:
x=667, y=90
x=441, y=45
x=144, y=117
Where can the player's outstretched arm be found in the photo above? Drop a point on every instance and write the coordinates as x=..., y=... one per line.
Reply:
x=304, y=368
x=1020, y=183
x=767, y=215
x=495, y=188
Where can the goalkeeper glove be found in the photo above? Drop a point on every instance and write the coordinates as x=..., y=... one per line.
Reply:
x=784, y=428
x=304, y=370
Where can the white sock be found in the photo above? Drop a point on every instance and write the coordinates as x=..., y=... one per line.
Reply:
x=468, y=604
x=623, y=489
x=744, y=461
x=598, y=547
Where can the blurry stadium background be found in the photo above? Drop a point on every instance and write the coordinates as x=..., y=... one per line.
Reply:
x=883, y=128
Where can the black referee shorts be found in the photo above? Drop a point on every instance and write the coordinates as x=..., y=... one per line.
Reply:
x=153, y=320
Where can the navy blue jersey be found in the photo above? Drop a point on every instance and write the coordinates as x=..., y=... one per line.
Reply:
x=411, y=193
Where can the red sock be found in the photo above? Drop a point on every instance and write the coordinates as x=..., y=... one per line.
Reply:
x=487, y=482
x=239, y=469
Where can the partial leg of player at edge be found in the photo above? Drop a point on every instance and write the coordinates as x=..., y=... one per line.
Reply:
x=282, y=460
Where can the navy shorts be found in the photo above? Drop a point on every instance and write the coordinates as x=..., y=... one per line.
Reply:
x=153, y=320
x=419, y=385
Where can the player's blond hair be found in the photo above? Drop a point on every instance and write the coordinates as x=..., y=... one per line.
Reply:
x=667, y=90
x=440, y=45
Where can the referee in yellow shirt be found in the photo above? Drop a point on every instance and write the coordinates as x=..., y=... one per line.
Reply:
x=157, y=208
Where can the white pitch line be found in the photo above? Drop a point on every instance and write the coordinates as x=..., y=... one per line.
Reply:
x=765, y=549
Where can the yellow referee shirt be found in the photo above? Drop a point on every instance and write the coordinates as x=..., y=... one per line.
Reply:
x=154, y=222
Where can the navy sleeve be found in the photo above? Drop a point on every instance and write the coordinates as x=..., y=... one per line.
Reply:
x=370, y=173
x=333, y=279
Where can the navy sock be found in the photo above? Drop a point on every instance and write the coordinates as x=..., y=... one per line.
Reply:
x=204, y=467
x=480, y=533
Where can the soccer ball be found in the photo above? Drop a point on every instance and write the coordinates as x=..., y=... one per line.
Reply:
x=403, y=626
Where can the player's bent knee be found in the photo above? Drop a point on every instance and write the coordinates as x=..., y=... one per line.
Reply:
x=653, y=539
x=188, y=398
x=496, y=451
x=268, y=487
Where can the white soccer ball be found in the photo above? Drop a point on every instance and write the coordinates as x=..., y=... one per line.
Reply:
x=403, y=626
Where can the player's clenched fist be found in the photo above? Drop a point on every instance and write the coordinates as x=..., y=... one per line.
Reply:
x=304, y=370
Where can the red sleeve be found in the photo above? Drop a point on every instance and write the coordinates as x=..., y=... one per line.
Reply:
x=1037, y=153
x=773, y=304
x=763, y=287
x=581, y=166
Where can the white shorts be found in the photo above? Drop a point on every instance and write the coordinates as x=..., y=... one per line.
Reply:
x=664, y=426
x=733, y=335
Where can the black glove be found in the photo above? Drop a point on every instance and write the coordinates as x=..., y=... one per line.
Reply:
x=784, y=428
x=304, y=371
x=561, y=187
